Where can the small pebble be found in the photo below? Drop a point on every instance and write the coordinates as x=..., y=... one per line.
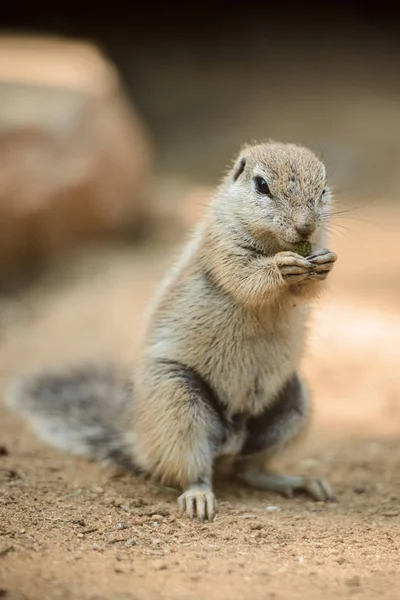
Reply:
x=95, y=547
x=117, y=502
x=353, y=581
x=120, y=569
x=340, y=561
x=131, y=542
x=3, y=451
x=256, y=526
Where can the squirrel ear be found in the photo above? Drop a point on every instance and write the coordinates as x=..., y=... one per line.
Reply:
x=239, y=170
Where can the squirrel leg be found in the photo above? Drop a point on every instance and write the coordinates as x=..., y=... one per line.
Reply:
x=180, y=428
x=287, y=485
x=268, y=434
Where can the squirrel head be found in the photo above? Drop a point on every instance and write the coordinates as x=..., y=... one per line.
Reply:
x=277, y=194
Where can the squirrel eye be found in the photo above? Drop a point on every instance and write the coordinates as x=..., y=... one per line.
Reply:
x=262, y=186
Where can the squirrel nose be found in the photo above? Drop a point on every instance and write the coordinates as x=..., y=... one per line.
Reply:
x=305, y=228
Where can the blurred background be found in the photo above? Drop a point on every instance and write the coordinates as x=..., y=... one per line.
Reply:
x=106, y=118
x=115, y=125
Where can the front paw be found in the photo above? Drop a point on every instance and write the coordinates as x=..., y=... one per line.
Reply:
x=293, y=267
x=322, y=263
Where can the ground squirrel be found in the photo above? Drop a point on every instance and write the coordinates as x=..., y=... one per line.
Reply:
x=218, y=376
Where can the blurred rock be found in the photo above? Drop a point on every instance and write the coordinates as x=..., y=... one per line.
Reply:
x=74, y=156
x=177, y=206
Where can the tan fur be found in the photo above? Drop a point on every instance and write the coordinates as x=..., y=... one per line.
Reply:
x=218, y=374
x=250, y=324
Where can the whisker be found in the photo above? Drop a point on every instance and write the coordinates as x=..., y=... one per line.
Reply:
x=354, y=221
x=335, y=218
x=351, y=209
x=343, y=233
x=337, y=230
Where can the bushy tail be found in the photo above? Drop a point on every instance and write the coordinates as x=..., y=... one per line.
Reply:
x=86, y=411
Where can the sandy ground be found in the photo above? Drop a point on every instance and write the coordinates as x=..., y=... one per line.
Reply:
x=72, y=530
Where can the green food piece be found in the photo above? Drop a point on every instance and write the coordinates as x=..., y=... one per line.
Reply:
x=303, y=248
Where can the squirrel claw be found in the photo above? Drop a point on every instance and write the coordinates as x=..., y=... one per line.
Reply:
x=198, y=502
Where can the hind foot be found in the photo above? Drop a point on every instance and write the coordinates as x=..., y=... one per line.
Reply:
x=288, y=485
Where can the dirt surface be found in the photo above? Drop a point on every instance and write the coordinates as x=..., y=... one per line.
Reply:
x=72, y=530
